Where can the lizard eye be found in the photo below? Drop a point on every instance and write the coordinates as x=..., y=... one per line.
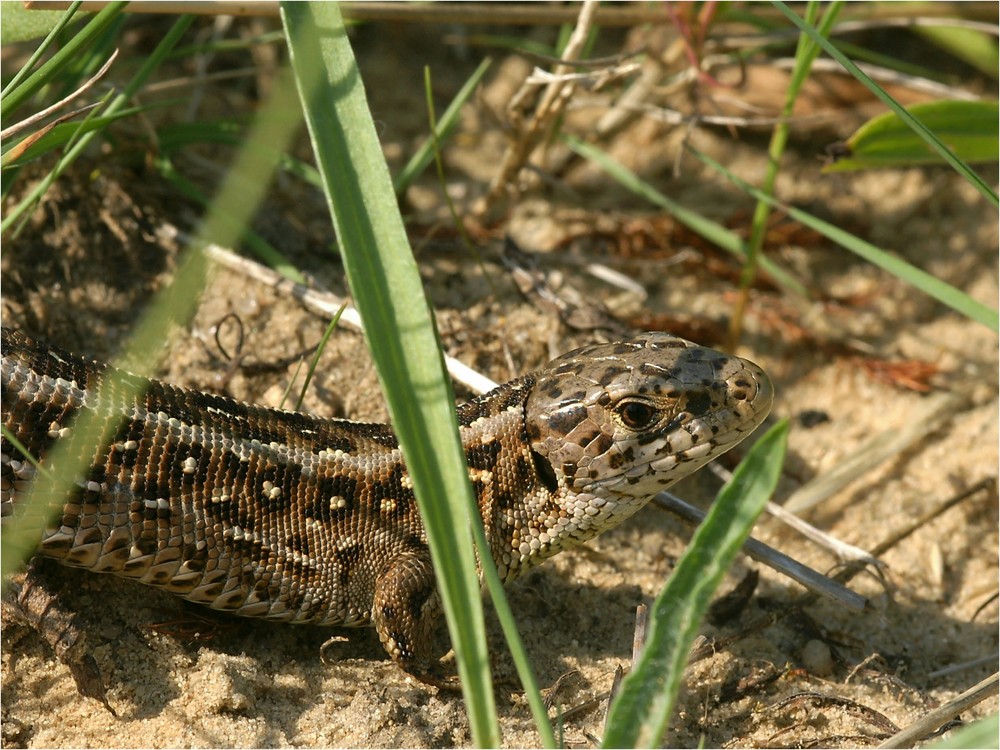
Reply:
x=637, y=415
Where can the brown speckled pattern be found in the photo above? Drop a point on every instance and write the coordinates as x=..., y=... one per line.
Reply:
x=288, y=517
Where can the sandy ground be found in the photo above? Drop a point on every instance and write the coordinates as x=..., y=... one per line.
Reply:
x=820, y=675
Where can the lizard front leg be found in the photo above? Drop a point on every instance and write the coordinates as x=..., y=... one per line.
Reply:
x=406, y=613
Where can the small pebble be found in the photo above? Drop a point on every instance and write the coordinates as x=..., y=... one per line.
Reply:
x=816, y=658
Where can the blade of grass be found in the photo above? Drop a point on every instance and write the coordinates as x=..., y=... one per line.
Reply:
x=423, y=156
x=12, y=152
x=235, y=204
x=974, y=47
x=386, y=286
x=508, y=624
x=261, y=247
x=61, y=23
x=459, y=225
x=925, y=282
x=69, y=455
x=56, y=134
x=489, y=572
x=22, y=24
x=176, y=135
x=639, y=716
x=969, y=127
x=805, y=52
x=229, y=45
x=15, y=96
x=319, y=352
x=79, y=137
x=117, y=104
x=710, y=230
x=932, y=140
x=90, y=61
x=889, y=62
x=43, y=114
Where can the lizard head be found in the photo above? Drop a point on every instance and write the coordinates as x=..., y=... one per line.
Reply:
x=610, y=425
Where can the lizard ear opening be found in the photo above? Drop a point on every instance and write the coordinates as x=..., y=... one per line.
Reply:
x=545, y=471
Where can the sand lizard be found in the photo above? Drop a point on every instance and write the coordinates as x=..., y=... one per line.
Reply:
x=293, y=518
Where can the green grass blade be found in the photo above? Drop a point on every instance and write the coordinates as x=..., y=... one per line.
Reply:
x=257, y=244
x=977, y=48
x=65, y=56
x=932, y=140
x=22, y=24
x=805, y=54
x=151, y=63
x=387, y=290
x=90, y=61
x=969, y=128
x=638, y=717
x=231, y=211
x=710, y=230
x=509, y=626
x=888, y=61
x=314, y=363
x=490, y=575
x=62, y=134
x=941, y=291
x=217, y=45
x=489, y=571
x=176, y=135
x=449, y=119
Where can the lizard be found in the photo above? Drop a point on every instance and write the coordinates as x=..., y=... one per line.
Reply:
x=294, y=518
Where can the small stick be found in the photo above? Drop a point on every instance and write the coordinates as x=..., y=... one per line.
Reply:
x=974, y=664
x=990, y=483
x=924, y=726
x=39, y=116
x=639, y=635
x=553, y=102
x=638, y=641
x=844, y=551
x=767, y=555
x=616, y=684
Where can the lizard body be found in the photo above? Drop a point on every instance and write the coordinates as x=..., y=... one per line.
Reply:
x=289, y=517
